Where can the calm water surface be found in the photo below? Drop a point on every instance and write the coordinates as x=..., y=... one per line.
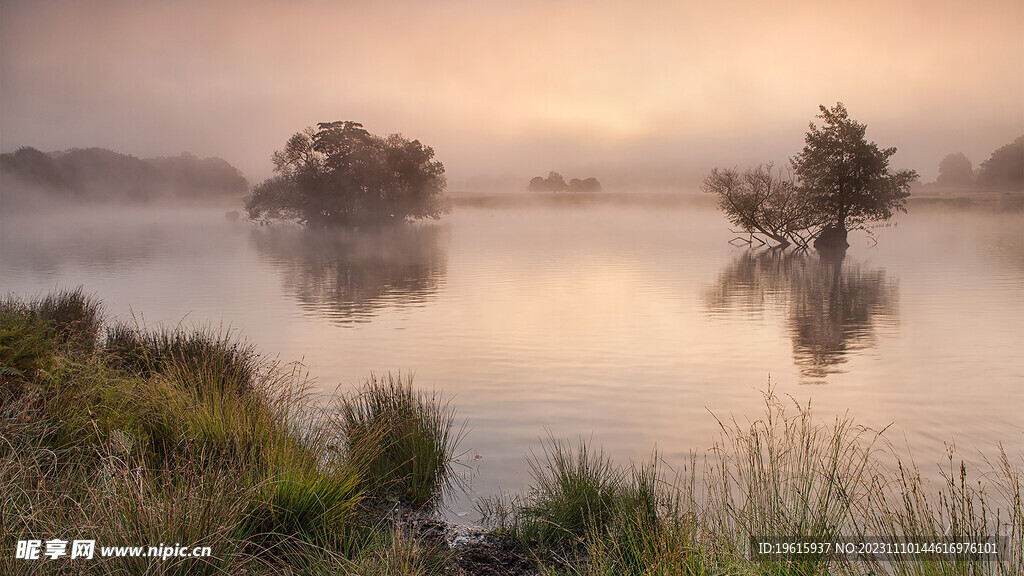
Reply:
x=633, y=325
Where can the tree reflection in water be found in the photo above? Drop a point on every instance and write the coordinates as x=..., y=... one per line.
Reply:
x=832, y=303
x=351, y=275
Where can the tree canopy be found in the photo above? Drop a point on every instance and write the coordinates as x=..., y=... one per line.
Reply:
x=586, y=185
x=1004, y=170
x=839, y=181
x=340, y=174
x=955, y=170
x=846, y=177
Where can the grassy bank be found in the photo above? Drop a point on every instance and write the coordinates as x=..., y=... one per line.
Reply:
x=187, y=437
x=785, y=476
x=133, y=436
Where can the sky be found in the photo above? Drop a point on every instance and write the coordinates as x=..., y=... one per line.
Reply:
x=634, y=93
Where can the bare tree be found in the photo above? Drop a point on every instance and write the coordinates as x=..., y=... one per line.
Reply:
x=762, y=201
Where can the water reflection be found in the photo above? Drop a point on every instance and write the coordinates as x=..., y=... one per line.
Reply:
x=350, y=275
x=833, y=304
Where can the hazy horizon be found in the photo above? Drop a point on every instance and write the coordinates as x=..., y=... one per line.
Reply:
x=655, y=93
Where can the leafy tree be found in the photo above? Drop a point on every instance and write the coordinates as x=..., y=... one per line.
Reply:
x=537, y=184
x=340, y=174
x=842, y=181
x=847, y=178
x=31, y=165
x=1005, y=168
x=555, y=182
x=955, y=170
x=587, y=185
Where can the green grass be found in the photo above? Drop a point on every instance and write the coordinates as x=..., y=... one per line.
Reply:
x=187, y=436
x=215, y=353
x=404, y=440
x=31, y=331
x=583, y=514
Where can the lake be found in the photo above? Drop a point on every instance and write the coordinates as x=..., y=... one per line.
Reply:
x=630, y=322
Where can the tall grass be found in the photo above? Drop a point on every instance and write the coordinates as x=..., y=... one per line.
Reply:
x=973, y=504
x=25, y=346
x=216, y=353
x=404, y=440
x=787, y=476
x=582, y=511
x=30, y=331
x=172, y=436
x=783, y=476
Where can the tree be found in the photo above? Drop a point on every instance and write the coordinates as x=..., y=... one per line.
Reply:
x=32, y=166
x=955, y=170
x=1004, y=170
x=588, y=185
x=555, y=182
x=846, y=177
x=340, y=174
x=537, y=184
x=841, y=182
x=761, y=201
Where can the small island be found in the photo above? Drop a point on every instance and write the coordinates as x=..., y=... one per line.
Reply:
x=556, y=183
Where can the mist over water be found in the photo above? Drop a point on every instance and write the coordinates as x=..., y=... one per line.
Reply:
x=625, y=322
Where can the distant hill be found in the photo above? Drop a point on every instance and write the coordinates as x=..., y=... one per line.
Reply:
x=101, y=174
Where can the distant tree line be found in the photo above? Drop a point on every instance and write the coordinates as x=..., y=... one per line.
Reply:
x=98, y=173
x=1004, y=169
x=556, y=183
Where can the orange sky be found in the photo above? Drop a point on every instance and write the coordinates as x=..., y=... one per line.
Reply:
x=654, y=91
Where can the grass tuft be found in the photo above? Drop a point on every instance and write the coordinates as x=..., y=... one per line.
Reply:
x=404, y=440
x=32, y=332
x=220, y=357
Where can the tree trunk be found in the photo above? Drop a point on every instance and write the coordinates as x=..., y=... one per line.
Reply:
x=832, y=238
